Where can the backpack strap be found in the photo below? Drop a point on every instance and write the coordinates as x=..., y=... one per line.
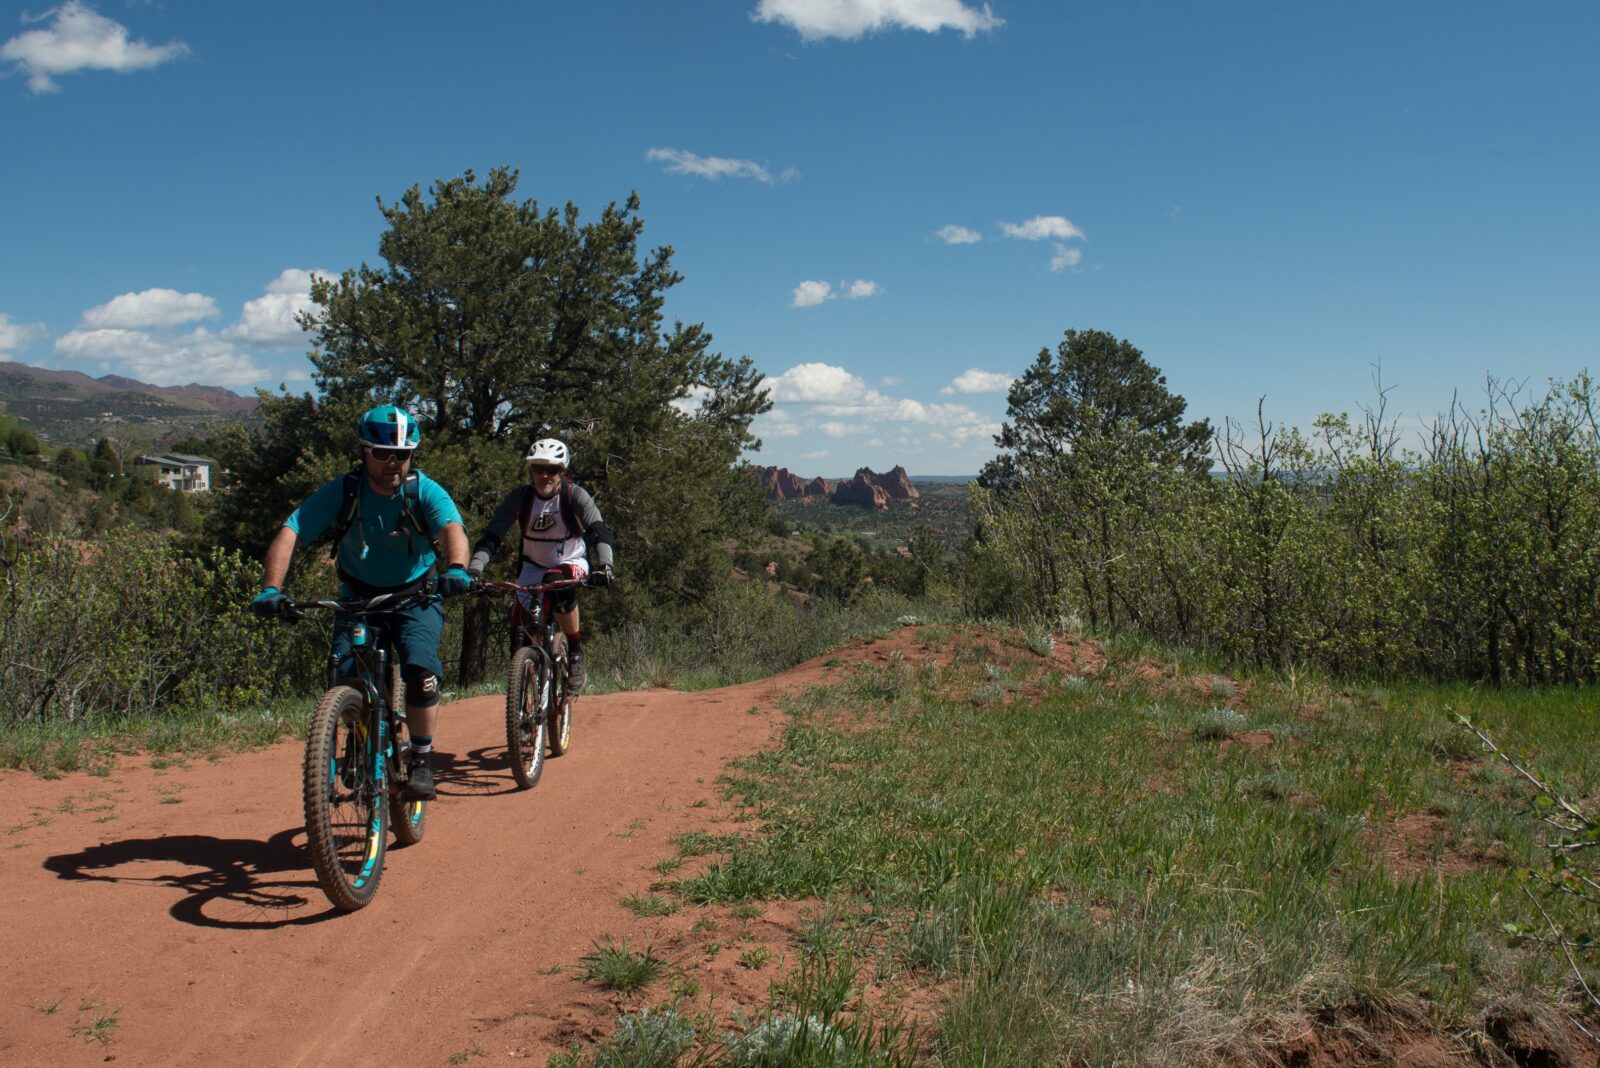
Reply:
x=569, y=514
x=410, y=512
x=349, y=512
x=525, y=510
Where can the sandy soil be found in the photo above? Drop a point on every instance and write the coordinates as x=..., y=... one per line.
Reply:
x=179, y=903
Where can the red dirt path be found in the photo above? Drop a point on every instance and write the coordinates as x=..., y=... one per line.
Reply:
x=180, y=901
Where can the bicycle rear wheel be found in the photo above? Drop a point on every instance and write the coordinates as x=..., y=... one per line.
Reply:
x=408, y=819
x=347, y=811
x=526, y=681
x=560, y=702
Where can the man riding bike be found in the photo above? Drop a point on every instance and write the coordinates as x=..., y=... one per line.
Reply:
x=385, y=519
x=559, y=520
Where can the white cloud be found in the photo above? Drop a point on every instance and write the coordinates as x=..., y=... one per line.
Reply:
x=892, y=380
x=834, y=394
x=849, y=19
x=809, y=294
x=815, y=454
x=820, y=402
x=150, y=307
x=17, y=336
x=976, y=381
x=958, y=235
x=690, y=405
x=1042, y=226
x=270, y=319
x=199, y=356
x=1065, y=257
x=775, y=423
x=81, y=39
x=811, y=383
x=715, y=168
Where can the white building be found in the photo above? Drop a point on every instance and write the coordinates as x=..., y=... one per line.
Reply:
x=192, y=474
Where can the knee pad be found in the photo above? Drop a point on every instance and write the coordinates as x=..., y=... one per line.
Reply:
x=422, y=687
x=564, y=600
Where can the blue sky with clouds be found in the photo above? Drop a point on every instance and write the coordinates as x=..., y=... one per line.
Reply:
x=890, y=205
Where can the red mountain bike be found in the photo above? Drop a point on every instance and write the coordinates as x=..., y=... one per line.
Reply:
x=538, y=707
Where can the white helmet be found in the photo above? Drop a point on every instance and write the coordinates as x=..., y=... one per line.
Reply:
x=548, y=451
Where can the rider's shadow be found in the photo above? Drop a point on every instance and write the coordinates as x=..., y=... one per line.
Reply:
x=233, y=886
x=479, y=773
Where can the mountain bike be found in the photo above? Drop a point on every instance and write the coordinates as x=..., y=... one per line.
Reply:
x=538, y=707
x=355, y=763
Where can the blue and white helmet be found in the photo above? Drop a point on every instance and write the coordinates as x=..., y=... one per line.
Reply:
x=388, y=427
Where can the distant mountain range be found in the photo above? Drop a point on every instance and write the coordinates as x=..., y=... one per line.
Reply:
x=71, y=408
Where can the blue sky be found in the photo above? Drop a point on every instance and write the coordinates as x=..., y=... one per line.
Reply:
x=890, y=205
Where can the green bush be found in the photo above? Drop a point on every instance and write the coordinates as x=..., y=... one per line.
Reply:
x=125, y=627
x=1474, y=557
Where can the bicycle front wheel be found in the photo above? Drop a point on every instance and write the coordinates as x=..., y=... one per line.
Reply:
x=526, y=682
x=346, y=800
x=560, y=700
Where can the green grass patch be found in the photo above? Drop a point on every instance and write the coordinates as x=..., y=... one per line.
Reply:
x=1106, y=874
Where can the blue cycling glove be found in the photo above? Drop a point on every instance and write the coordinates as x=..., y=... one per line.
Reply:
x=454, y=581
x=268, y=604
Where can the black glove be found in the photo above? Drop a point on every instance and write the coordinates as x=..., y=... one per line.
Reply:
x=268, y=604
x=601, y=577
x=454, y=581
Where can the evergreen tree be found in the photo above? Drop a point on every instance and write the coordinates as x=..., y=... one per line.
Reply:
x=497, y=323
x=1092, y=436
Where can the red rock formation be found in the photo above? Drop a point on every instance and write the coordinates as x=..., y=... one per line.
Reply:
x=861, y=491
x=781, y=485
x=818, y=487
x=895, y=483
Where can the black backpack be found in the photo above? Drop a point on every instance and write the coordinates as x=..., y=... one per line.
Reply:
x=410, y=511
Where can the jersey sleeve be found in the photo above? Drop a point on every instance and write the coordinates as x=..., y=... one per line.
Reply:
x=504, y=517
x=437, y=506
x=317, y=512
x=595, y=532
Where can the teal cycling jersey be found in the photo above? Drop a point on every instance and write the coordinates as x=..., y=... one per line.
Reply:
x=380, y=549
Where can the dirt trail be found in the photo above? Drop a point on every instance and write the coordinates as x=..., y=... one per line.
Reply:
x=179, y=903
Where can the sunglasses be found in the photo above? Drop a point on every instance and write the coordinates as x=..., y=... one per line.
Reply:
x=390, y=456
x=542, y=471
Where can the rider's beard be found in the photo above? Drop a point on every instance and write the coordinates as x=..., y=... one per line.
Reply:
x=386, y=477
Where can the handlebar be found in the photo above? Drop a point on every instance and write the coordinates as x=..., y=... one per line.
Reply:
x=293, y=611
x=501, y=586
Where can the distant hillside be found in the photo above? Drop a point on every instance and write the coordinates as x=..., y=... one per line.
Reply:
x=71, y=408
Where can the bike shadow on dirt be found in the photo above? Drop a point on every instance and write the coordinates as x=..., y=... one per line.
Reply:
x=233, y=883
x=481, y=772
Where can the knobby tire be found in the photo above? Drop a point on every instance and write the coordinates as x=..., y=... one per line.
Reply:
x=347, y=812
x=526, y=716
x=408, y=819
x=560, y=713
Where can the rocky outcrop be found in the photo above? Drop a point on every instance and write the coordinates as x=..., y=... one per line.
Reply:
x=895, y=483
x=780, y=484
x=867, y=489
x=783, y=485
x=862, y=492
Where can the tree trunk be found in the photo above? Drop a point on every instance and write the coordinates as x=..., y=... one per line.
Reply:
x=474, y=641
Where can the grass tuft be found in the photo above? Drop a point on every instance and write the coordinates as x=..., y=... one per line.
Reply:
x=612, y=965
